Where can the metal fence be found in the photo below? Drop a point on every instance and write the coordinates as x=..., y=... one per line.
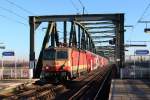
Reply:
x=14, y=73
x=135, y=73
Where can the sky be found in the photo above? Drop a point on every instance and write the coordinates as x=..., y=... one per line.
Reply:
x=14, y=27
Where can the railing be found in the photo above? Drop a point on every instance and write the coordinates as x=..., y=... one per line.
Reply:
x=12, y=73
x=135, y=73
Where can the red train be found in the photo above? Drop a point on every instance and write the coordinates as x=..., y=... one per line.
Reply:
x=68, y=63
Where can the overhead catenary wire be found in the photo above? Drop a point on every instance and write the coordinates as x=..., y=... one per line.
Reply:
x=83, y=6
x=141, y=17
x=81, y=3
x=20, y=7
x=8, y=18
x=74, y=6
x=10, y=11
x=146, y=9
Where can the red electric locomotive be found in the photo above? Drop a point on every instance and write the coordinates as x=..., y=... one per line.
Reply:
x=68, y=63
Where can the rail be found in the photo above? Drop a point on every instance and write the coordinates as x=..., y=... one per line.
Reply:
x=102, y=86
x=85, y=88
x=47, y=91
x=89, y=90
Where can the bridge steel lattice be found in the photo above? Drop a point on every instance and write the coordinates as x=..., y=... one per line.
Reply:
x=99, y=33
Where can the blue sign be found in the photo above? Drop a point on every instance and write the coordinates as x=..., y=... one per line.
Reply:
x=142, y=52
x=8, y=53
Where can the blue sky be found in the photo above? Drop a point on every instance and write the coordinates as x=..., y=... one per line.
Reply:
x=15, y=35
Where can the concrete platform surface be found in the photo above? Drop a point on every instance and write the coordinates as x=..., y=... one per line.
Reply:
x=130, y=90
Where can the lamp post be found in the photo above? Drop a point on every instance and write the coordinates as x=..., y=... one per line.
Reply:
x=2, y=47
x=1, y=71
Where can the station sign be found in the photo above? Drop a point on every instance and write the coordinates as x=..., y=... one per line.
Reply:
x=147, y=30
x=2, y=47
x=142, y=52
x=8, y=53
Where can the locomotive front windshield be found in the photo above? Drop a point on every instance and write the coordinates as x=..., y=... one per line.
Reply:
x=53, y=54
x=62, y=55
x=49, y=54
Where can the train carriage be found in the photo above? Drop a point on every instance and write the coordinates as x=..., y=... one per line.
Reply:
x=68, y=63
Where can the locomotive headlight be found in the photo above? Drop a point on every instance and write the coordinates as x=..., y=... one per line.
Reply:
x=47, y=67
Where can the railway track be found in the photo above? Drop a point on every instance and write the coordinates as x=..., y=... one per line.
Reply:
x=87, y=88
x=92, y=89
x=34, y=92
x=84, y=87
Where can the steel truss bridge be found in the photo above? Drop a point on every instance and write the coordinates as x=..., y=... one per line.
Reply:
x=99, y=33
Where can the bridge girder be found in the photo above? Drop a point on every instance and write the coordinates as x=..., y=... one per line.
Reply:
x=80, y=36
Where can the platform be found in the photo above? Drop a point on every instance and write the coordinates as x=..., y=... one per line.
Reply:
x=9, y=85
x=130, y=90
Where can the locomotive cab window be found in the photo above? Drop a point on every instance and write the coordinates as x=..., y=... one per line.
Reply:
x=49, y=54
x=62, y=54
